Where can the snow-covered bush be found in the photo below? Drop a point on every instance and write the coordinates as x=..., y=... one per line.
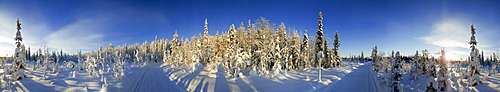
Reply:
x=414, y=67
x=396, y=75
x=432, y=85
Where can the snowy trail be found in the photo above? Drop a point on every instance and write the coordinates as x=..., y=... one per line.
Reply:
x=359, y=80
x=150, y=78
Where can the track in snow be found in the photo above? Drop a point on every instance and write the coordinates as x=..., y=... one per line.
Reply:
x=359, y=80
x=150, y=78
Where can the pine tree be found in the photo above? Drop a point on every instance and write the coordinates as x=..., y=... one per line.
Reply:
x=295, y=50
x=304, y=48
x=474, y=55
x=336, y=44
x=174, y=56
x=206, y=28
x=375, y=60
x=444, y=82
x=326, y=52
x=362, y=56
x=19, y=55
x=319, y=44
x=415, y=66
x=281, y=45
x=396, y=75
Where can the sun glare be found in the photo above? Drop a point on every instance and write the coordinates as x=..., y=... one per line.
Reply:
x=450, y=56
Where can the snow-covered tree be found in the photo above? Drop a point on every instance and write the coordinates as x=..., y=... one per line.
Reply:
x=415, y=66
x=336, y=45
x=396, y=75
x=375, y=60
x=327, y=61
x=430, y=68
x=444, y=82
x=19, y=55
x=494, y=64
x=319, y=44
x=174, y=56
x=205, y=28
x=474, y=55
x=304, y=48
x=362, y=56
x=119, y=65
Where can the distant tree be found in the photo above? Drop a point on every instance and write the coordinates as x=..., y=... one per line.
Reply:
x=375, y=60
x=415, y=66
x=396, y=75
x=206, y=28
x=362, y=56
x=426, y=64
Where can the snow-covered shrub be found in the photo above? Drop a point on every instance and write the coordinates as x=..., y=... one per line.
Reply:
x=92, y=68
x=432, y=85
x=119, y=66
x=396, y=75
x=69, y=64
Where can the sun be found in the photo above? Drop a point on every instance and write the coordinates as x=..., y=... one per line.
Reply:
x=450, y=56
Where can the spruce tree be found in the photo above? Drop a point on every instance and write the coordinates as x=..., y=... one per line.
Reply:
x=19, y=55
x=362, y=56
x=396, y=75
x=305, y=50
x=375, y=60
x=174, y=56
x=206, y=28
x=326, y=53
x=295, y=50
x=336, y=44
x=415, y=66
x=319, y=44
x=444, y=82
x=474, y=55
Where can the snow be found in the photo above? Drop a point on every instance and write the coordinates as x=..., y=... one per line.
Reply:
x=359, y=80
x=153, y=77
x=149, y=78
x=296, y=81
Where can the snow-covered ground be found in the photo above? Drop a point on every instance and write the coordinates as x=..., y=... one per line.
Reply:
x=149, y=78
x=349, y=77
x=362, y=79
x=490, y=84
x=293, y=81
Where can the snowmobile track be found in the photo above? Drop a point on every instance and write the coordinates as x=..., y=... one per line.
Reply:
x=359, y=80
x=150, y=78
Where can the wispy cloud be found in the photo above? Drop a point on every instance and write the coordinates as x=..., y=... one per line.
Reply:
x=454, y=34
x=83, y=34
x=449, y=33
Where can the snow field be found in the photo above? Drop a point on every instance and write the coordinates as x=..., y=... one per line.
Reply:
x=295, y=81
x=149, y=78
x=361, y=79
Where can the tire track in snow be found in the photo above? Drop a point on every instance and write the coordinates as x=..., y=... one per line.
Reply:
x=150, y=78
x=359, y=80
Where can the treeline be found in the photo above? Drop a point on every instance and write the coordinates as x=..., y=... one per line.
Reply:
x=259, y=46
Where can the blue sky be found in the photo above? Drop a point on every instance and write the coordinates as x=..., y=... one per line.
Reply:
x=400, y=25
